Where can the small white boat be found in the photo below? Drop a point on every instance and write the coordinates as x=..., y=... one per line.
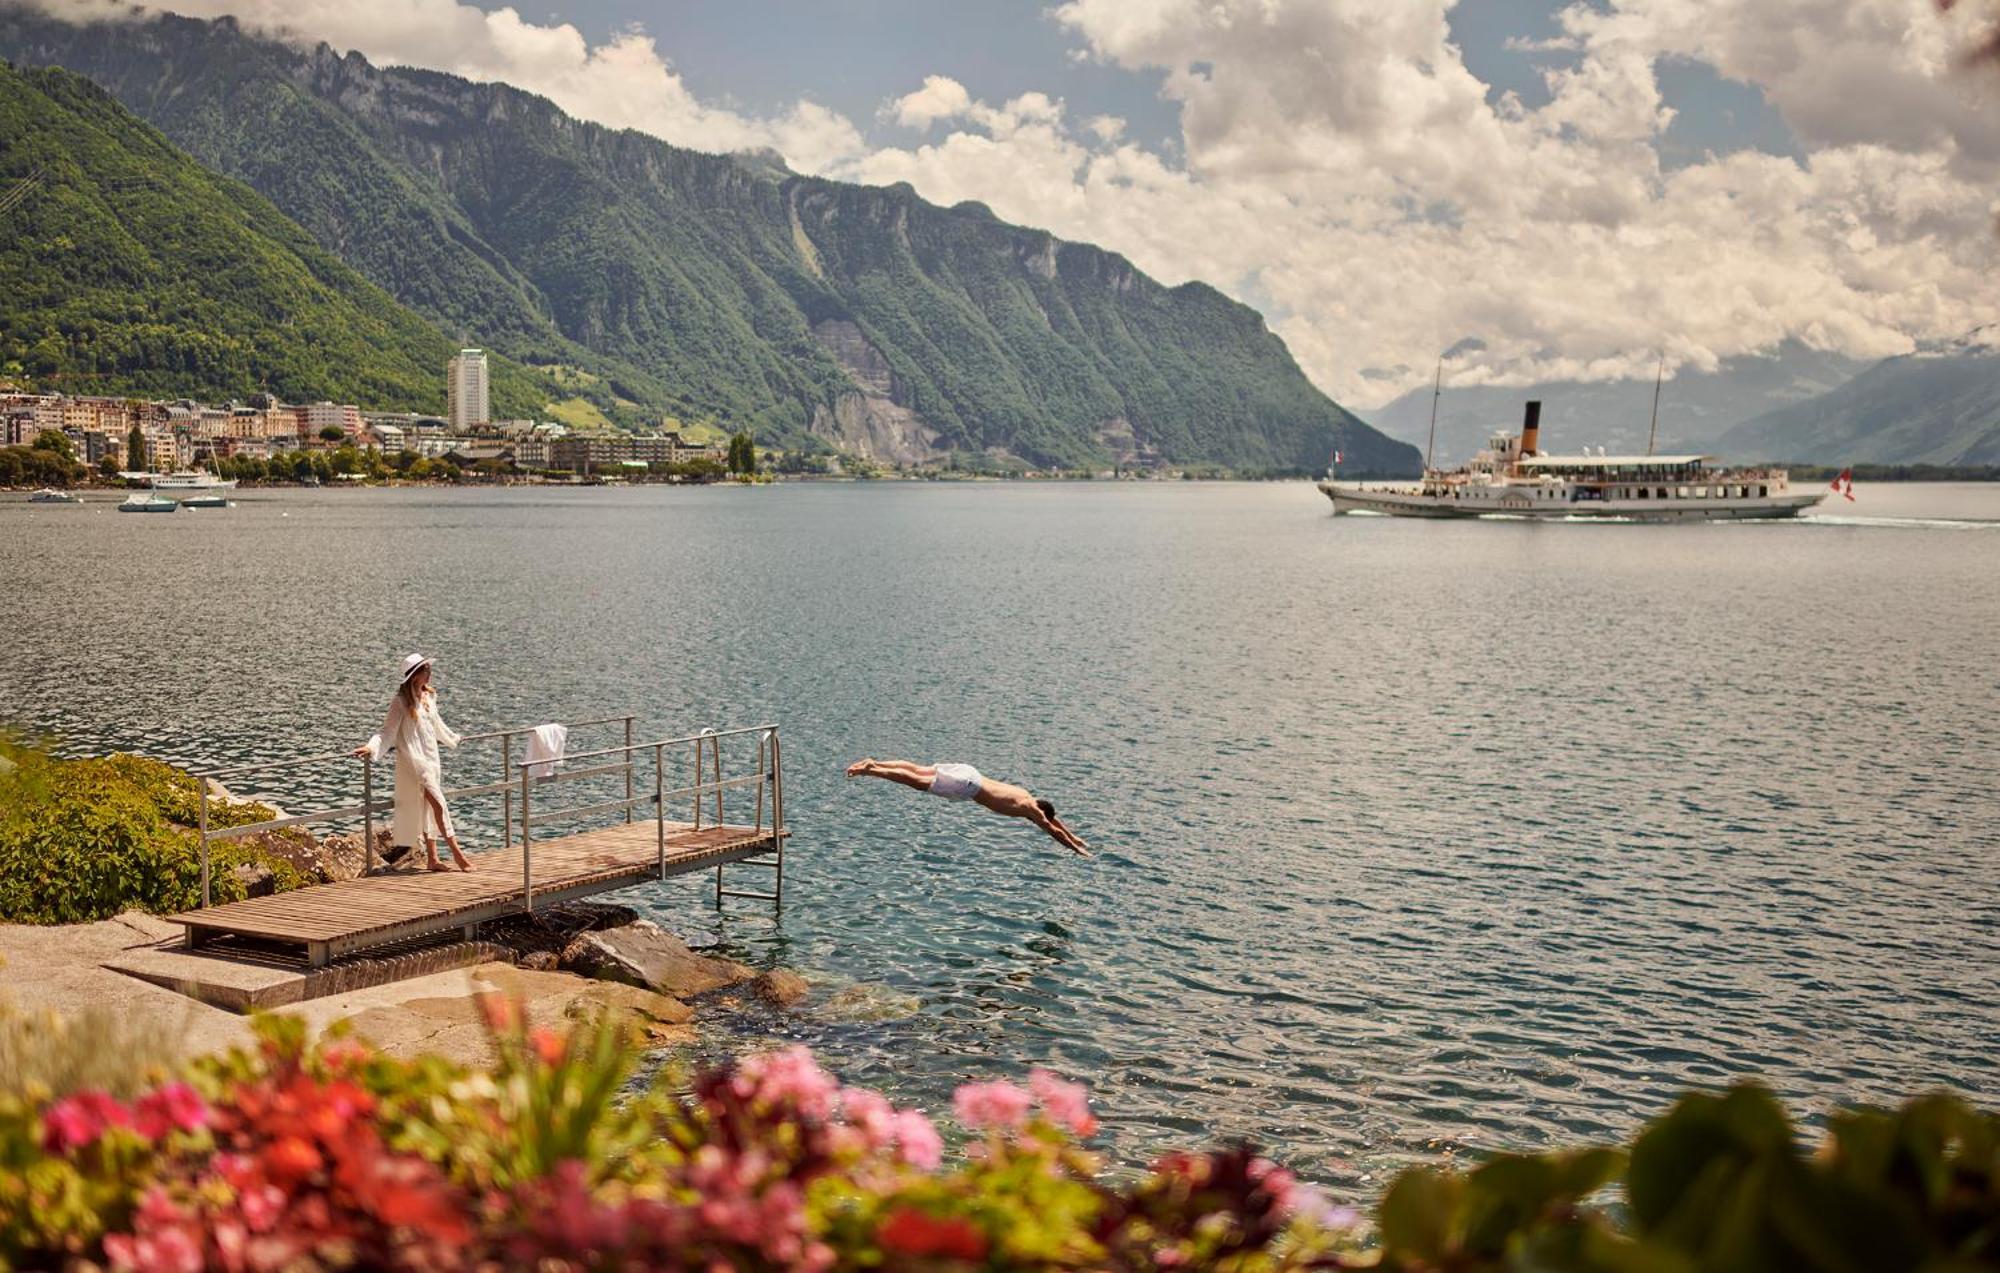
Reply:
x=204, y=501
x=49, y=495
x=142, y=502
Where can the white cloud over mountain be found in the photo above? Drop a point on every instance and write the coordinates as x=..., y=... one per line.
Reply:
x=1341, y=167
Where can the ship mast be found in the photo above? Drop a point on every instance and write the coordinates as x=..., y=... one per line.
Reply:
x=1653, y=430
x=1437, y=389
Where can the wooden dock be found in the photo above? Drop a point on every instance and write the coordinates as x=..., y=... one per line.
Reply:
x=328, y=921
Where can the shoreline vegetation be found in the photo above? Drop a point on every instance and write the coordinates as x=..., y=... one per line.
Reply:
x=296, y=1153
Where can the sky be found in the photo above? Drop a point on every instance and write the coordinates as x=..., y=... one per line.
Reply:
x=1554, y=189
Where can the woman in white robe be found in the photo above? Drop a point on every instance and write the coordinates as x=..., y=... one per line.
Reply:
x=414, y=731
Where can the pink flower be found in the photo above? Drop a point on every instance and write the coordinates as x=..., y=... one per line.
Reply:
x=1308, y=1204
x=1275, y=1181
x=79, y=1119
x=919, y=1142
x=1067, y=1104
x=175, y=1107
x=261, y=1206
x=790, y=1077
x=165, y=1251
x=999, y=1105
x=871, y=1115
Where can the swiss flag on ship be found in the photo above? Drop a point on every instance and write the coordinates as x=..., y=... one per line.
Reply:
x=1845, y=483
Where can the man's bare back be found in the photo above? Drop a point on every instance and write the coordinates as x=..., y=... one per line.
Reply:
x=963, y=782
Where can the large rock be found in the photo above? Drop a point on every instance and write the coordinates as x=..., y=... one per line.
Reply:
x=439, y=1015
x=343, y=855
x=256, y=879
x=644, y=954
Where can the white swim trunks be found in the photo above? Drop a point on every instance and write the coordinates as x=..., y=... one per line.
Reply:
x=956, y=782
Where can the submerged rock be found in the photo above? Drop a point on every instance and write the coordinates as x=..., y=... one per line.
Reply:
x=780, y=987
x=644, y=954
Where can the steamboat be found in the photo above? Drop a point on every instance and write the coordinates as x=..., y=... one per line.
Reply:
x=1512, y=477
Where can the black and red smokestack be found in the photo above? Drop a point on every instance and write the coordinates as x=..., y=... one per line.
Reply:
x=1531, y=428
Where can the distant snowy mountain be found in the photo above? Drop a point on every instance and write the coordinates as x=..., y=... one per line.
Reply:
x=1940, y=405
x=1696, y=408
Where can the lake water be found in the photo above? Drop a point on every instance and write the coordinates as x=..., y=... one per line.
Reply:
x=1412, y=837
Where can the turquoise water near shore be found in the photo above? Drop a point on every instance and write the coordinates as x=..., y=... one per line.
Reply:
x=1411, y=837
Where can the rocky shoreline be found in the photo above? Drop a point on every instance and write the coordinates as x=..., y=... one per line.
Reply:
x=573, y=962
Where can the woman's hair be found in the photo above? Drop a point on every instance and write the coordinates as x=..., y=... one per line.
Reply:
x=407, y=691
x=1048, y=810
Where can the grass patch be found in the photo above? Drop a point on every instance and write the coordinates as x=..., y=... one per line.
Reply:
x=579, y=413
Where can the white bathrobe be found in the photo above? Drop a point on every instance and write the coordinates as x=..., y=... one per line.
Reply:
x=415, y=736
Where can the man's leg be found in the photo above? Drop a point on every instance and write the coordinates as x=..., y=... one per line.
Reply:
x=909, y=773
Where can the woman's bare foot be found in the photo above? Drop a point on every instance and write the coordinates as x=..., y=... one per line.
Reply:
x=458, y=857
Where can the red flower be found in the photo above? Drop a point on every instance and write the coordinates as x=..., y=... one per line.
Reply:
x=909, y=1231
x=501, y=1013
x=78, y=1120
x=549, y=1046
x=175, y=1107
x=290, y=1160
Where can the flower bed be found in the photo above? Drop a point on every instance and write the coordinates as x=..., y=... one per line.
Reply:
x=331, y=1156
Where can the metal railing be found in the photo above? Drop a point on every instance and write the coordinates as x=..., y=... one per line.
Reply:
x=705, y=747
x=369, y=806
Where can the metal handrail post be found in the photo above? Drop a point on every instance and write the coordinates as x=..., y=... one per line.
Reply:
x=764, y=774
x=507, y=795
x=715, y=754
x=367, y=814
x=697, y=782
x=660, y=805
x=778, y=818
x=527, y=858
x=628, y=769
x=204, y=843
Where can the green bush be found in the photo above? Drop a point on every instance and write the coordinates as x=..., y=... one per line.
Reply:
x=82, y=840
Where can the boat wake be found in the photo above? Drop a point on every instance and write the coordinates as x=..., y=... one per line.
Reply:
x=1902, y=523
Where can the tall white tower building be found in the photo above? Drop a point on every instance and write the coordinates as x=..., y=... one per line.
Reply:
x=465, y=390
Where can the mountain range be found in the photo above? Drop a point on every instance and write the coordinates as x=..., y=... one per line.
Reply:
x=635, y=280
x=1696, y=407
x=126, y=267
x=1939, y=405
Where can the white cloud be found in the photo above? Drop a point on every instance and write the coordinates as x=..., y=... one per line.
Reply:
x=941, y=97
x=1339, y=161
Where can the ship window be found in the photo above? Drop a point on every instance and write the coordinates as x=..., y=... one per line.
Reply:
x=1762, y=491
x=1643, y=492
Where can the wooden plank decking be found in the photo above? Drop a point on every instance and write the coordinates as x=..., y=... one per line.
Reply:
x=330, y=920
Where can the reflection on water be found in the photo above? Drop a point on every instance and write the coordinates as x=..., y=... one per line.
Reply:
x=1474, y=834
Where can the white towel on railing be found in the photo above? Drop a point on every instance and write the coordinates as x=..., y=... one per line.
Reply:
x=545, y=749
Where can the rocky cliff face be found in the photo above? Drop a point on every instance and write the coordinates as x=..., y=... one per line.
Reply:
x=720, y=288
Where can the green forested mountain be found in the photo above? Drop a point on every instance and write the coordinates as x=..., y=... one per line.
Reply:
x=1940, y=405
x=654, y=279
x=125, y=267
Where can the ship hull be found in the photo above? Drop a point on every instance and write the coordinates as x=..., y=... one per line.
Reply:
x=1353, y=497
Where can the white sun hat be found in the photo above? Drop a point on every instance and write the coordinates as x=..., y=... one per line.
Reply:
x=412, y=663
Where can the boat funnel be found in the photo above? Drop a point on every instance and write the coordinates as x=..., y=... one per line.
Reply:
x=1531, y=428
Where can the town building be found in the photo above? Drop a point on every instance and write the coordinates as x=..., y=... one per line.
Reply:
x=585, y=452
x=465, y=390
